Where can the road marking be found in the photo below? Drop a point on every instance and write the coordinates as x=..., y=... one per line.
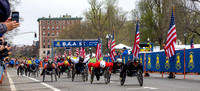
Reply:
x=49, y=86
x=152, y=88
x=12, y=86
x=112, y=82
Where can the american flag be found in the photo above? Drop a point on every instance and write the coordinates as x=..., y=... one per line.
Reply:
x=192, y=44
x=82, y=51
x=47, y=56
x=109, y=41
x=70, y=53
x=98, y=51
x=65, y=55
x=136, y=47
x=171, y=38
x=59, y=55
x=77, y=51
x=112, y=53
x=55, y=57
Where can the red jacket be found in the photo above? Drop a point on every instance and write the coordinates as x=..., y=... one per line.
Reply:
x=97, y=65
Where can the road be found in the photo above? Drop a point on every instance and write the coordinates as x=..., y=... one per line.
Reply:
x=65, y=84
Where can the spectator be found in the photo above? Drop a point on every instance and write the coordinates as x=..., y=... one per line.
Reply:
x=125, y=51
x=5, y=22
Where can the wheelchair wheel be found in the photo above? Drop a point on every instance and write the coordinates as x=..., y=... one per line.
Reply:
x=106, y=76
x=73, y=73
x=55, y=77
x=140, y=77
x=59, y=74
x=92, y=76
x=68, y=73
x=123, y=79
x=86, y=74
x=44, y=76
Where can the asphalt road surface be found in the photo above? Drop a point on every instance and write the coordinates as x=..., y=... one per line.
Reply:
x=65, y=84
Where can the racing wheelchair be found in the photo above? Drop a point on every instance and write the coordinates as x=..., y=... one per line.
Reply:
x=50, y=72
x=80, y=69
x=100, y=72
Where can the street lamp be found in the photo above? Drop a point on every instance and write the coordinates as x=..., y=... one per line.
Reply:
x=185, y=34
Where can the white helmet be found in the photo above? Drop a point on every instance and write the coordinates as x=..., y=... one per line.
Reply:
x=102, y=64
x=119, y=60
x=22, y=64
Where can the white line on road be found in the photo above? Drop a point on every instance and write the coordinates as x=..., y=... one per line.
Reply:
x=12, y=86
x=49, y=86
x=152, y=88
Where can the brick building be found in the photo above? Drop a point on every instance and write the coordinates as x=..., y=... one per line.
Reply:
x=49, y=29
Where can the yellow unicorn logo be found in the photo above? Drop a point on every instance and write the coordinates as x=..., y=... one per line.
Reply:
x=191, y=62
x=178, y=63
x=141, y=59
x=149, y=62
x=157, y=62
x=167, y=65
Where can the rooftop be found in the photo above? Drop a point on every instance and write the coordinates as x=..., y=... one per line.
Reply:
x=64, y=17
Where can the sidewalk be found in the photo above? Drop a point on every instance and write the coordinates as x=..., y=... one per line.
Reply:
x=187, y=77
x=5, y=86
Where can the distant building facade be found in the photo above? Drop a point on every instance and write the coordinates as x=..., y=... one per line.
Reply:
x=50, y=28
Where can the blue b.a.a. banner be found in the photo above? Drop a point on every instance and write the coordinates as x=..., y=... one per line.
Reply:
x=87, y=43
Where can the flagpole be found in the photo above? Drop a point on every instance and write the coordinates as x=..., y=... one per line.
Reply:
x=174, y=9
x=114, y=30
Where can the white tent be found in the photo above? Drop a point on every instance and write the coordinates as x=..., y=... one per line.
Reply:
x=120, y=46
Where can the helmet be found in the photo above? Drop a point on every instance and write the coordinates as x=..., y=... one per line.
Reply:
x=22, y=64
x=119, y=60
x=102, y=64
x=136, y=60
x=50, y=62
x=81, y=59
x=65, y=62
x=33, y=63
x=68, y=57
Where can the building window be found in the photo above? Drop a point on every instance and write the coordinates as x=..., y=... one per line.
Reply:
x=43, y=28
x=52, y=28
x=52, y=34
x=57, y=22
x=48, y=34
x=48, y=28
x=48, y=52
x=48, y=40
x=52, y=22
x=57, y=33
x=68, y=22
x=43, y=46
x=43, y=40
x=44, y=52
x=76, y=21
x=43, y=34
x=63, y=22
x=60, y=22
x=48, y=22
x=57, y=28
x=72, y=21
x=43, y=22
x=48, y=46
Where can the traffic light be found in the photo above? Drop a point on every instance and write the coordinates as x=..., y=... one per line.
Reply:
x=35, y=36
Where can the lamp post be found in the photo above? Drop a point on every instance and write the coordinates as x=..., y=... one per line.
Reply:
x=185, y=34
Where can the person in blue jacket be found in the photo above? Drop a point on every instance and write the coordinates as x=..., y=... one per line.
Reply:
x=12, y=63
x=125, y=51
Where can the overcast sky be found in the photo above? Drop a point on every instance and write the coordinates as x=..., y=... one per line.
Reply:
x=31, y=10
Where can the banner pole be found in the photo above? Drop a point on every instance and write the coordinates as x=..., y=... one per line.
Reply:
x=184, y=63
x=144, y=64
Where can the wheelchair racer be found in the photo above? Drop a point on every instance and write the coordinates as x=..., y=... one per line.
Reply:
x=117, y=66
x=100, y=67
x=49, y=66
x=130, y=66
